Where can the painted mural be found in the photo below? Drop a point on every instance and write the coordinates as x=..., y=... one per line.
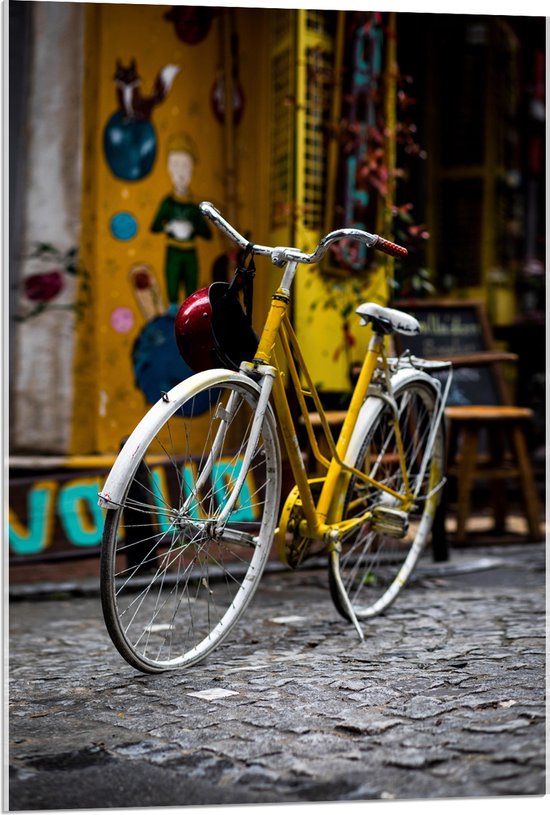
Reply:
x=157, y=365
x=156, y=86
x=151, y=247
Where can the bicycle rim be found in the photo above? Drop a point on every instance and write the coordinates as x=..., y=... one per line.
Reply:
x=374, y=566
x=173, y=582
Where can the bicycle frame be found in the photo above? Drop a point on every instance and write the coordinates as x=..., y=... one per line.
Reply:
x=322, y=519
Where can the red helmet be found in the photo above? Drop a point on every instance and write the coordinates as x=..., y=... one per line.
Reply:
x=212, y=329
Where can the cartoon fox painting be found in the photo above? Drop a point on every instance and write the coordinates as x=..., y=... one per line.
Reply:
x=132, y=104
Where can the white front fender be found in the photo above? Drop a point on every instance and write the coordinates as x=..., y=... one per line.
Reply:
x=127, y=462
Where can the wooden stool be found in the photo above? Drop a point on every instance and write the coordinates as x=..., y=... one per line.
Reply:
x=504, y=456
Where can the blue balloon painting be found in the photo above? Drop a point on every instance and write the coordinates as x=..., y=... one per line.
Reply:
x=130, y=147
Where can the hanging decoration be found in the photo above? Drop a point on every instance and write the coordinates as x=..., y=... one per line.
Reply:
x=358, y=154
x=228, y=84
x=191, y=23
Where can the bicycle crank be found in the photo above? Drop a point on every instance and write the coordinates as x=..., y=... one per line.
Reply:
x=388, y=521
x=292, y=547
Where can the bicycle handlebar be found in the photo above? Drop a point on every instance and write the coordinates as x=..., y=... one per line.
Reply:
x=285, y=254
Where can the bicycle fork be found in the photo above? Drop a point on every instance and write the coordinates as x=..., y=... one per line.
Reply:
x=268, y=375
x=225, y=414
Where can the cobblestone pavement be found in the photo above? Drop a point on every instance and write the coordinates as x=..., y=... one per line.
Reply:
x=444, y=699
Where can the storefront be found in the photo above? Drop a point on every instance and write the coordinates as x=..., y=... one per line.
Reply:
x=120, y=126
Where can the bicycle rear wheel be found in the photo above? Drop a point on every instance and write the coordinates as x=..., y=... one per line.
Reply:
x=375, y=560
x=173, y=580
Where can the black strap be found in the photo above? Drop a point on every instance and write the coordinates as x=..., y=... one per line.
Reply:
x=243, y=279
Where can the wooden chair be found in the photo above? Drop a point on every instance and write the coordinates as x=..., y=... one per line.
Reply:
x=486, y=434
x=506, y=457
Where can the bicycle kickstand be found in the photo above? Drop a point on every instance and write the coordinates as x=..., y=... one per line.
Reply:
x=343, y=595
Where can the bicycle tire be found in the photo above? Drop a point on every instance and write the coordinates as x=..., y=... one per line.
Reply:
x=373, y=567
x=171, y=587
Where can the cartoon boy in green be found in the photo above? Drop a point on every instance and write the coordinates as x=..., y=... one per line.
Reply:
x=182, y=222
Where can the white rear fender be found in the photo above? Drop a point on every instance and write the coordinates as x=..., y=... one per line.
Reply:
x=373, y=404
x=127, y=462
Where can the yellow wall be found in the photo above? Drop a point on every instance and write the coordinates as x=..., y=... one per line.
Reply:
x=107, y=402
x=324, y=310
x=328, y=349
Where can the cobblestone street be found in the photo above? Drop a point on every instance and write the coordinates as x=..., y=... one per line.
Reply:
x=445, y=698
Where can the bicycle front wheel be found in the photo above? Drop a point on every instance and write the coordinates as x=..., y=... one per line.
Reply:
x=174, y=577
x=378, y=556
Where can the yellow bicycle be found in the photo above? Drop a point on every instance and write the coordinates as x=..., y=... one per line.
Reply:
x=193, y=500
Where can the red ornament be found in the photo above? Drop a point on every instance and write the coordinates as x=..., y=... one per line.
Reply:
x=192, y=23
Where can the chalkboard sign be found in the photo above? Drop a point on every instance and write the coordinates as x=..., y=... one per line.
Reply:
x=471, y=386
x=457, y=331
x=447, y=329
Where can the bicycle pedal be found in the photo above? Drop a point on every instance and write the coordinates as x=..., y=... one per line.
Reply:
x=391, y=522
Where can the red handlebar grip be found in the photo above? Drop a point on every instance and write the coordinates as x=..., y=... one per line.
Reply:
x=391, y=248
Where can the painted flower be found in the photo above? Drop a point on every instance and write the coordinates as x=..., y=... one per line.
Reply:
x=44, y=286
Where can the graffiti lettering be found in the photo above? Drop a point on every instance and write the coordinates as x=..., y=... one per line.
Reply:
x=80, y=515
x=62, y=514
x=37, y=536
x=224, y=473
